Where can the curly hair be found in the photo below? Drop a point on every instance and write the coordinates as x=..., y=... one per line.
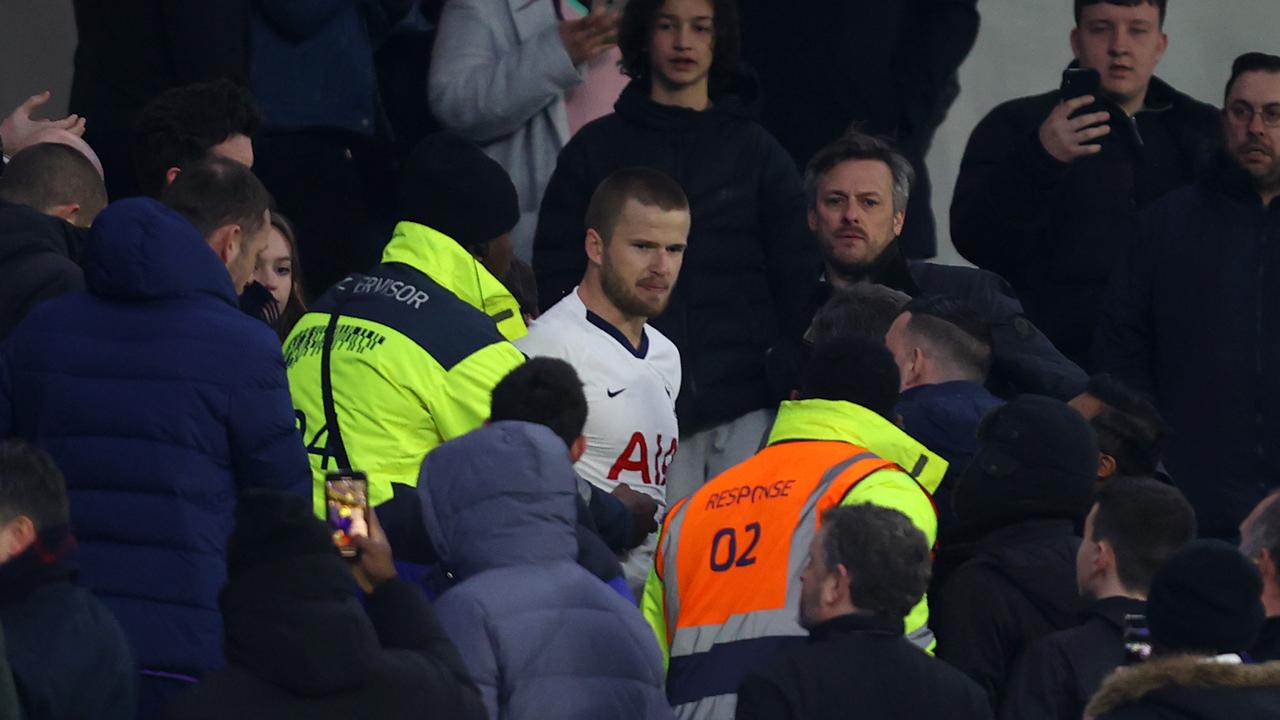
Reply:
x=180, y=125
x=635, y=31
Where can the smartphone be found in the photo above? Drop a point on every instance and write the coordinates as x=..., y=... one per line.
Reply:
x=1137, y=639
x=346, y=495
x=1078, y=82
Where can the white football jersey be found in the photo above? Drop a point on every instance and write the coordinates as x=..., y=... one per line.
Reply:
x=631, y=429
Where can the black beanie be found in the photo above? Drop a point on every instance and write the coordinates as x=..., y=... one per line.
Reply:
x=1037, y=458
x=271, y=527
x=1206, y=598
x=449, y=185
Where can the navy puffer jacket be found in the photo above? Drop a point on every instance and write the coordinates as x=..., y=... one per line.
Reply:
x=540, y=635
x=160, y=401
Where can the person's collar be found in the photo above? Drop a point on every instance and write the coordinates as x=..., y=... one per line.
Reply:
x=1114, y=609
x=856, y=623
x=839, y=421
x=949, y=388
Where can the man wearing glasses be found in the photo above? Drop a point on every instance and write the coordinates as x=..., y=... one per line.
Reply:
x=1194, y=313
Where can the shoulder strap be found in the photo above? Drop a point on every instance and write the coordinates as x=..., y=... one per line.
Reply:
x=334, y=447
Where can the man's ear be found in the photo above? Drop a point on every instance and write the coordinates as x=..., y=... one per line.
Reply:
x=1106, y=466
x=1074, y=39
x=813, y=220
x=594, y=245
x=1267, y=566
x=69, y=212
x=1105, y=557
x=171, y=174
x=835, y=587
x=899, y=219
x=578, y=448
x=19, y=534
x=225, y=241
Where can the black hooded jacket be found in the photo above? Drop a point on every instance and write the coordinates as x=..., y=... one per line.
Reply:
x=39, y=257
x=1055, y=230
x=300, y=646
x=751, y=262
x=1189, y=688
x=1016, y=585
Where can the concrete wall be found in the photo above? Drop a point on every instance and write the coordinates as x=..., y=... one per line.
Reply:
x=37, y=42
x=1021, y=50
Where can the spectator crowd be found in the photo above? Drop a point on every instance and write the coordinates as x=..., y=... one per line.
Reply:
x=621, y=315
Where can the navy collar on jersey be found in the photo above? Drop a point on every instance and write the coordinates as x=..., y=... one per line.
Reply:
x=616, y=334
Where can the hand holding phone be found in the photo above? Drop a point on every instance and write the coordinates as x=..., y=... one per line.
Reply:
x=347, y=508
x=375, y=564
x=1069, y=131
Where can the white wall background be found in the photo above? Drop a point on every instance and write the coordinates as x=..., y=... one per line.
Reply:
x=1023, y=47
x=1021, y=50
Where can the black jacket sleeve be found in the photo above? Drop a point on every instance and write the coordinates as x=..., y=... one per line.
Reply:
x=790, y=249
x=761, y=699
x=970, y=622
x=1038, y=686
x=558, y=256
x=405, y=620
x=1123, y=344
x=611, y=520
x=1003, y=195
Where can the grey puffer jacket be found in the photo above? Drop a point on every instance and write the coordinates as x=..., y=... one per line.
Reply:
x=541, y=636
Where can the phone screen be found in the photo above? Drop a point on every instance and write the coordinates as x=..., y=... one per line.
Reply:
x=1137, y=639
x=347, y=508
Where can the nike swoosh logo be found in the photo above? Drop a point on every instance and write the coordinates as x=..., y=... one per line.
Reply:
x=614, y=393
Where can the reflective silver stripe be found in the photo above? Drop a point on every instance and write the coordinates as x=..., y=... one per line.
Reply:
x=765, y=623
x=921, y=637
x=670, y=586
x=716, y=707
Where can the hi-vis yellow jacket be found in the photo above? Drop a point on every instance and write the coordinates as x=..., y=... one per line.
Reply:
x=724, y=594
x=400, y=360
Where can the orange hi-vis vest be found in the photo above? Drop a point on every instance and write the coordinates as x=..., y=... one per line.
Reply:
x=730, y=560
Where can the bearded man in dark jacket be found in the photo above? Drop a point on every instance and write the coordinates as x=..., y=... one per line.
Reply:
x=751, y=263
x=1049, y=190
x=1194, y=314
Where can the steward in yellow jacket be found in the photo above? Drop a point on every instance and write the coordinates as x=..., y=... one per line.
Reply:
x=724, y=597
x=388, y=365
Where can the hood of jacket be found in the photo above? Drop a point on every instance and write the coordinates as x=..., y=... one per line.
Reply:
x=845, y=422
x=1194, y=687
x=1039, y=558
x=740, y=99
x=26, y=231
x=441, y=258
x=500, y=496
x=141, y=250
x=296, y=624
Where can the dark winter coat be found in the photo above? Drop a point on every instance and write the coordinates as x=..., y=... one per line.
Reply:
x=69, y=657
x=889, y=66
x=1056, y=676
x=1018, y=585
x=160, y=401
x=1054, y=230
x=1268, y=646
x=751, y=261
x=1193, y=318
x=1189, y=688
x=944, y=418
x=299, y=645
x=39, y=259
x=859, y=666
x=540, y=635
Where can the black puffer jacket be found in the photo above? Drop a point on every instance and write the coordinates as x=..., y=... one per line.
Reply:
x=1055, y=230
x=1017, y=585
x=38, y=261
x=300, y=646
x=1193, y=318
x=1189, y=688
x=751, y=261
